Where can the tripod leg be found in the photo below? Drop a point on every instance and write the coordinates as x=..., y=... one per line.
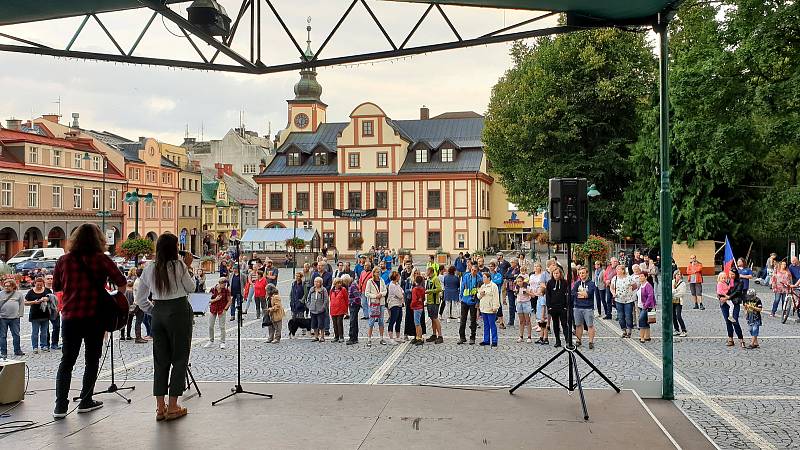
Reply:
x=597, y=371
x=511, y=391
x=574, y=362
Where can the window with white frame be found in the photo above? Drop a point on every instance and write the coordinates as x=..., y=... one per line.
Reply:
x=131, y=210
x=112, y=200
x=166, y=209
x=96, y=163
x=77, y=197
x=33, y=195
x=77, y=162
x=95, y=198
x=151, y=210
x=447, y=155
x=57, y=203
x=7, y=194
x=56, y=158
x=33, y=155
x=421, y=155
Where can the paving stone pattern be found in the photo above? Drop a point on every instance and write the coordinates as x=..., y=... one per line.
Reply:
x=759, y=387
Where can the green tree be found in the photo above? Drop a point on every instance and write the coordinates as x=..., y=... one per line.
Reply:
x=133, y=247
x=570, y=107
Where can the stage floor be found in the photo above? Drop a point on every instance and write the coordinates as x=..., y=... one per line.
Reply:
x=349, y=416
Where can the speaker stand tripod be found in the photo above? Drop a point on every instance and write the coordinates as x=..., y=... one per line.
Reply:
x=190, y=381
x=237, y=388
x=575, y=379
x=113, y=388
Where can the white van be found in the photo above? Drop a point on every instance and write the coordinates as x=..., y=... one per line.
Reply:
x=35, y=253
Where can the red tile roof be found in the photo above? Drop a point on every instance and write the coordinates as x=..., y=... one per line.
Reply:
x=12, y=137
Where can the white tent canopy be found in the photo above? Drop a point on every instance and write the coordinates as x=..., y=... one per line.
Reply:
x=274, y=239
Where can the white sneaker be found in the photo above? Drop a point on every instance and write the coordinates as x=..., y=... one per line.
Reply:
x=222, y=346
x=529, y=340
x=683, y=334
x=519, y=339
x=208, y=344
x=369, y=343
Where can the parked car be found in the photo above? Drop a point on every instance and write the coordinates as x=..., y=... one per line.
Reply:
x=35, y=253
x=31, y=266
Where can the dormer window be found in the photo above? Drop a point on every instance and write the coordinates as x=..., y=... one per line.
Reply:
x=421, y=155
x=367, y=128
x=447, y=155
x=293, y=158
x=320, y=158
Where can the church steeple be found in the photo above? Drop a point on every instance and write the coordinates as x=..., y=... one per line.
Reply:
x=308, y=88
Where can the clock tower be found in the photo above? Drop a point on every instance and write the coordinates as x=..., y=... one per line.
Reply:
x=306, y=110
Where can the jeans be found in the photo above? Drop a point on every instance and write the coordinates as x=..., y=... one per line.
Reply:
x=625, y=315
x=560, y=324
x=237, y=300
x=40, y=329
x=354, y=309
x=779, y=299
x=395, y=317
x=55, y=335
x=75, y=332
x=172, y=340
x=489, y=328
x=602, y=307
x=643, y=324
x=609, y=303
x=139, y=316
x=677, y=318
x=213, y=318
x=365, y=306
x=250, y=298
x=148, y=324
x=512, y=307
x=472, y=311
x=731, y=326
x=261, y=305
x=13, y=325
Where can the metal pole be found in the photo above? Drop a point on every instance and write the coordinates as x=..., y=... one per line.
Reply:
x=667, y=388
x=104, y=193
x=294, y=248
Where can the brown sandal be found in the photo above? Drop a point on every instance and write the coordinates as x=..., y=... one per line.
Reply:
x=176, y=414
x=160, y=414
x=729, y=343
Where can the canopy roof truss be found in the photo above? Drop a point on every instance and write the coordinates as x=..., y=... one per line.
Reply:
x=258, y=62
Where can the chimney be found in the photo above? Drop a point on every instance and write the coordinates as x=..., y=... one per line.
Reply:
x=51, y=117
x=75, y=117
x=424, y=113
x=262, y=166
x=228, y=169
x=142, y=139
x=13, y=124
x=220, y=169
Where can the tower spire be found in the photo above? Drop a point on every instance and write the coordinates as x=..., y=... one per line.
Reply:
x=308, y=89
x=309, y=53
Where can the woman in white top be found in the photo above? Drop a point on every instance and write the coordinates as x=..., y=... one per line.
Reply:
x=489, y=297
x=169, y=282
x=623, y=288
x=678, y=292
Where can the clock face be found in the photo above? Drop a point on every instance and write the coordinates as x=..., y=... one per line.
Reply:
x=301, y=120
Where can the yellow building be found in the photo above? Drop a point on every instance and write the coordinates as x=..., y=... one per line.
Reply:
x=426, y=180
x=220, y=215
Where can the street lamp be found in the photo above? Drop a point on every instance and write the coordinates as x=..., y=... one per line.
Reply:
x=134, y=197
x=103, y=213
x=294, y=214
x=591, y=193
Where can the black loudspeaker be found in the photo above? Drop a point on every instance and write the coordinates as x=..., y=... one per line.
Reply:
x=568, y=210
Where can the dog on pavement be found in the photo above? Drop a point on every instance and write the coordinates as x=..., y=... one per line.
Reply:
x=296, y=324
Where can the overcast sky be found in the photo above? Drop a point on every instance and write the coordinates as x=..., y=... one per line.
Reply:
x=161, y=102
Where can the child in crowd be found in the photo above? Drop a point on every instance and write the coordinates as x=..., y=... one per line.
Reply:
x=752, y=304
x=417, y=304
x=723, y=283
x=220, y=302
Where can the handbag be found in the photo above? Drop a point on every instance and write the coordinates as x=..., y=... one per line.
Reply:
x=266, y=319
x=651, y=317
x=112, y=310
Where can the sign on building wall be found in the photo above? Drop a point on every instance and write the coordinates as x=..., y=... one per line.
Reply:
x=110, y=236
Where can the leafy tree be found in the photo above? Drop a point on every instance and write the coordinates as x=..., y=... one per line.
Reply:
x=570, y=107
x=133, y=247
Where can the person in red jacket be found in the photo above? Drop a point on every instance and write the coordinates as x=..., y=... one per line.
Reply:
x=260, y=293
x=339, y=300
x=417, y=305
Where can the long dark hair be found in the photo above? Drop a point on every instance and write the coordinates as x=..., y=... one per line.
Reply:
x=166, y=252
x=87, y=239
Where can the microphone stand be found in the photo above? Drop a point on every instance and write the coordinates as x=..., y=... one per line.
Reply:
x=237, y=388
x=113, y=388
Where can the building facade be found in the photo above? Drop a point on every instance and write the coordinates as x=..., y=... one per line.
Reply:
x=189, y=197
x=148, y=172
x=221, y=215
x=49, y=186
x=242, y=149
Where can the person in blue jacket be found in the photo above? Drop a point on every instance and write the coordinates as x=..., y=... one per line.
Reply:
x=470, y=283
x=297, y=302
x=498, y=278
x=460, y=264
x=583, y=293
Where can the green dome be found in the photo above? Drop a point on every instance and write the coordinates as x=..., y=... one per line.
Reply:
x=308, y=89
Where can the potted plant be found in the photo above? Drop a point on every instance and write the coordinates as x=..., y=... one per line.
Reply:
x=595, y=248
x=207, y=263
x=137, y=246
x=296, y=243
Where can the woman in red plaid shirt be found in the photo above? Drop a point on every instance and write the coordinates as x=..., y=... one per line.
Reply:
x=79, y=275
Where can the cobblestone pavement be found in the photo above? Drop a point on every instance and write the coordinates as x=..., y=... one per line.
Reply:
x=740, y=398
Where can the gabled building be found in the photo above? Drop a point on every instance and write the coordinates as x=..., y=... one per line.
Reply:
x=242, y=149
x=237, y=205
x=50, y=185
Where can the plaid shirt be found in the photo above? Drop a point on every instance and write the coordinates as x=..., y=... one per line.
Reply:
x=80, y=297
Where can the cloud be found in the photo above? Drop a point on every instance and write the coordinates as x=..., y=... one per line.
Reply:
x=159, y=105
